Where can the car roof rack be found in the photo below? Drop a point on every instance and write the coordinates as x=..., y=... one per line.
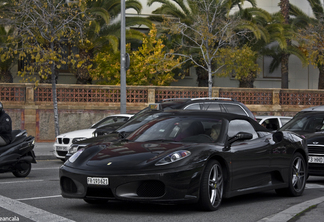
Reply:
x=200, y=98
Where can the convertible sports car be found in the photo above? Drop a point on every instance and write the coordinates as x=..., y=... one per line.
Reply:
x=188, y=156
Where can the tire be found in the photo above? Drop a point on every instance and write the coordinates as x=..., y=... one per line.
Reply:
x=297, y=177
x=211, y=186
x=95, y=201
x=22, y=171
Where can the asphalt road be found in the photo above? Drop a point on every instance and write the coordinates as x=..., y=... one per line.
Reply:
x=37, y=198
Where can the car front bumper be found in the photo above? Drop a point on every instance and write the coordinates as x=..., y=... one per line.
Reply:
x=60, y=150
x=175, y=186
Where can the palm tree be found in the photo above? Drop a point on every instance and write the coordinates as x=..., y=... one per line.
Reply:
x=284, y=6
x=280, y=55
x=106, y=30
x=306, y=25
x=271, y=30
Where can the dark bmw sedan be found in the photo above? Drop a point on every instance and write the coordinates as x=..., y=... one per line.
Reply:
x=188, y=156
x=310, y=124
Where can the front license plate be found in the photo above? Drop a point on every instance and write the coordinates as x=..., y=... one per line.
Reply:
x=61, y=148
x=97, y=181
x=316, y=159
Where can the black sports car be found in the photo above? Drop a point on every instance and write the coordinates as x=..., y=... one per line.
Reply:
x=188, y=156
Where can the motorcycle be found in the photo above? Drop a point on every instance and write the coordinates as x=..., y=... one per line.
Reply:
x=17, y=156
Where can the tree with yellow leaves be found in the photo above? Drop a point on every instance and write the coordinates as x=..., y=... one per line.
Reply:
x=150, y=65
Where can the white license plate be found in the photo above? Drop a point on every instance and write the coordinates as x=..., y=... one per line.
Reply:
x=316, y=159
x=97, y=181
x=61, y=148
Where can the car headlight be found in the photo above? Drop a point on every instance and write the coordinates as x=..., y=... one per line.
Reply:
x=76, y=155
x=73, y=149
x=173, y=157
x=78, y=139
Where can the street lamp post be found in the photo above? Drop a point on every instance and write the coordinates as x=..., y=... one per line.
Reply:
x=123, y=60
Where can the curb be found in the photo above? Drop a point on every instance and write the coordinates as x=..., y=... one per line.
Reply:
x=291, y=212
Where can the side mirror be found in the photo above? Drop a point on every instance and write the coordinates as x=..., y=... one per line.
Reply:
x=277, y=136
x=239, y=136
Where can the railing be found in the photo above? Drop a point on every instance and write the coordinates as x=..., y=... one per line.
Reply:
x=140, y=94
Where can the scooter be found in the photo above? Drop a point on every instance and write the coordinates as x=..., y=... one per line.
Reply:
x=18, y=156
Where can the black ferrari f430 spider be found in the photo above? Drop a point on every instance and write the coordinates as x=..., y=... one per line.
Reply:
x=188, y=156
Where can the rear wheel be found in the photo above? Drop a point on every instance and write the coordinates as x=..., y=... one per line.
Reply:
x=22, y=169
x=212, y=186
x=297, y=177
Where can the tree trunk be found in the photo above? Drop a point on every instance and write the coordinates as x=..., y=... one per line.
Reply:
x=210, y=81
x=247, y=82
x=56, y=117
x=284, y=6
x=202, y=77
x=82, y=73
x=5, y=76
x=284, y=71
x=321, y=77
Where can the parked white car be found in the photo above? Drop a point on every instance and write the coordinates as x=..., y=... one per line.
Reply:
x=273, y=122
x=63, y=141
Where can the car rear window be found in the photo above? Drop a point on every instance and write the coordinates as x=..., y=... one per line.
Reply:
x=236, y=109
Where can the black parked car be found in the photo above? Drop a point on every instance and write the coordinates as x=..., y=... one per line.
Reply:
x=188, y=156
x=310, y=124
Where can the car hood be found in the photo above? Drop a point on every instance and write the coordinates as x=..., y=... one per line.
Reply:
x=135, y=155
x=78, y=133
x=310, y=135
x=315, y=138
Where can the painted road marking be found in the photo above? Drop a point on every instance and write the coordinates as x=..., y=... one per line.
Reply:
x=313, y=186
x=30, y=212
x=46, y=168
x=37, y=198
x=21, y=181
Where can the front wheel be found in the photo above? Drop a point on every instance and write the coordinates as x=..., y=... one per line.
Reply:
x=212, y=186
x=22, y=169
x=297, y=177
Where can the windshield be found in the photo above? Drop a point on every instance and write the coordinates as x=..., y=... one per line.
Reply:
x=184, y=129
x=307, y=124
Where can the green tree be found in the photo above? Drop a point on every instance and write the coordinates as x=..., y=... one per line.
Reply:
x=42, y=32
x=273, y=32
x=150, y=65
